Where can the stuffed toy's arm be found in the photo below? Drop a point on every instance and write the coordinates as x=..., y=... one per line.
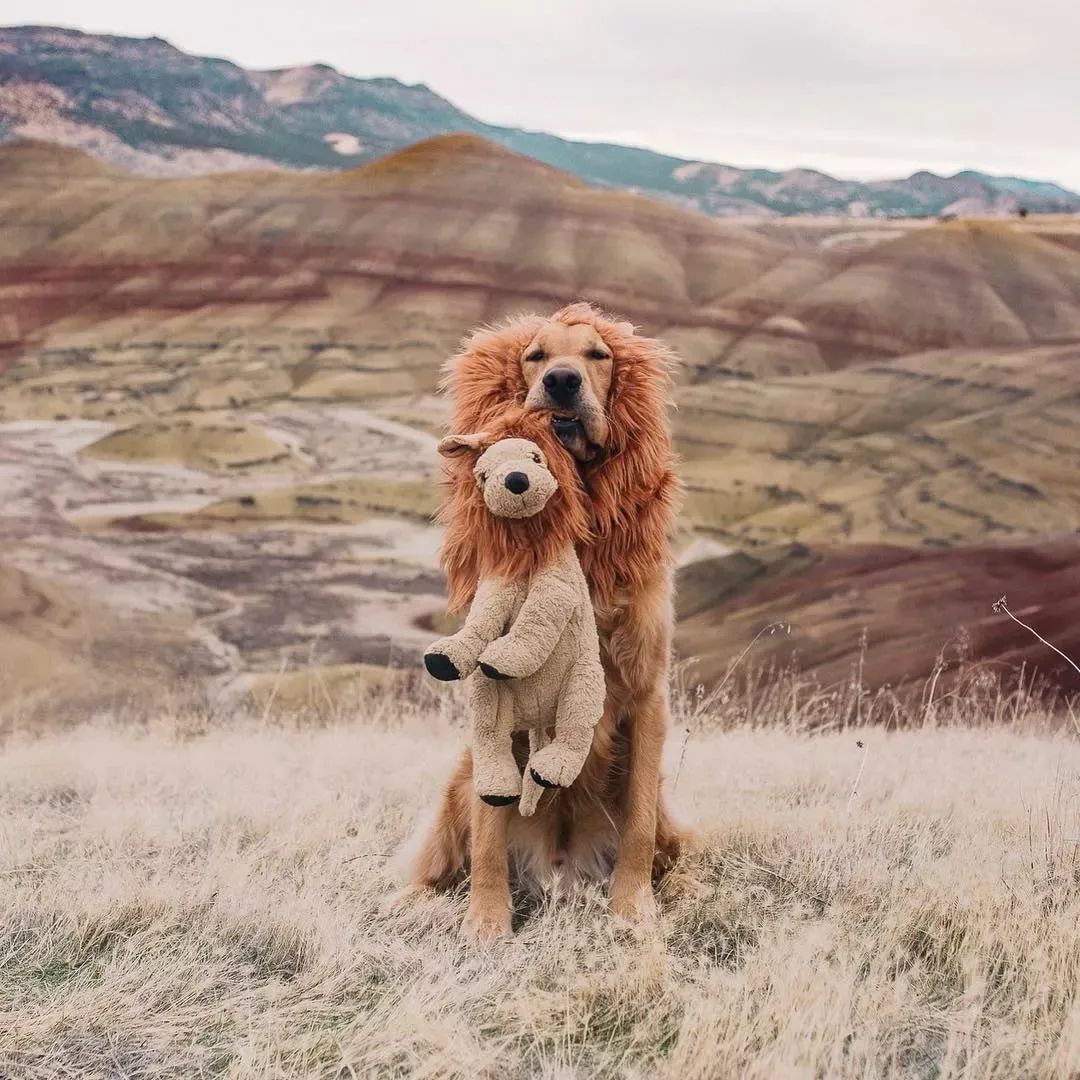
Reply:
x=536, y=631
x=455, y=657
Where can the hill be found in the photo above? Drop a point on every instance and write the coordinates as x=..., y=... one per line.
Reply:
x=938, y=448
x=455, y=231
x=887, y=616
x=147, y=106
x=428, y=241
x=217, y=420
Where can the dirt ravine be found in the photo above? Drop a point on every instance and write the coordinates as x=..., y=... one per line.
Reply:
x=242, y=600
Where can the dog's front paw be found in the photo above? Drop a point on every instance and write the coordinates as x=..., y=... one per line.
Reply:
x=632, y=902
x=441, y=667
x=486, y=923
x=492, y=673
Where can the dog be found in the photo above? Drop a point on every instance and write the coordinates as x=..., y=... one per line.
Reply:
x=602, y=392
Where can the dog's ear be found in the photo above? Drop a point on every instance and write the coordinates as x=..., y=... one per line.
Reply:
x=455, y=445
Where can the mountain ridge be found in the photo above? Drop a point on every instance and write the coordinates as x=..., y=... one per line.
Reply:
x=148, y=106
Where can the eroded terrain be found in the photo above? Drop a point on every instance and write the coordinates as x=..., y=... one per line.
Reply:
x=219, y=410
x=324, y=558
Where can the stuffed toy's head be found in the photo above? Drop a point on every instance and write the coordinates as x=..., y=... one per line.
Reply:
x=513, y=474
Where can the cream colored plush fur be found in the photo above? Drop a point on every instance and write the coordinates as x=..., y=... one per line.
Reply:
x=534, y=642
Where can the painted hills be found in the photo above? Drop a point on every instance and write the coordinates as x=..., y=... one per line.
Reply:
x=217, y=418
x=456, y=231
x=147, y=106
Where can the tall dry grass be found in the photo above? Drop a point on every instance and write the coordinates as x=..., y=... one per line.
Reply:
x=186, y=898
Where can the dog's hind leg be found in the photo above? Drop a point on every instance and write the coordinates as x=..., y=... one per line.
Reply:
x=441, y=859
x=671, y=837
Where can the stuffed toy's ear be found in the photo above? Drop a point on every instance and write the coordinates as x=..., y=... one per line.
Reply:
x=453, y=445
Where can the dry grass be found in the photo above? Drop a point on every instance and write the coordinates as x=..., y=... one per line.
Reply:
x=188, y=900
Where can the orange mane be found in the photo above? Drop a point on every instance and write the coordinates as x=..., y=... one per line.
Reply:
x=631, y=489
x=478, y=543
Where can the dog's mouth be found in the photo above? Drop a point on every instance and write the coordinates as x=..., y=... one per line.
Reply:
x=571, y=432
x=568, y=426
x=580, y=426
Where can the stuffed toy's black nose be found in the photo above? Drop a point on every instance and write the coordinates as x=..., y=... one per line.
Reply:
x=517, y=482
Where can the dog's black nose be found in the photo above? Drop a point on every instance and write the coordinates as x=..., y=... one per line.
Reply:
x=562, y=384
x=517, y=482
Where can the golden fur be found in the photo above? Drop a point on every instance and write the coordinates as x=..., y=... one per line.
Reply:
x=613, y=818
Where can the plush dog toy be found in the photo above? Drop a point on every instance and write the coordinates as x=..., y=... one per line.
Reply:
x=534, y=640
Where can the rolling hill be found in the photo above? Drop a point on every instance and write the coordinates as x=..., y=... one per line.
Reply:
x=149, y=107
x=939, y=448
x=886, y=615
x=217, y=418
x=398, y=257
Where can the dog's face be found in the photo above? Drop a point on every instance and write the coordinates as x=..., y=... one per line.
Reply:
x=568, y=370
x=512, y=473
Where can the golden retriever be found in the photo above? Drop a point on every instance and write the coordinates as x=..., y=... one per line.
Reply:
x=602, y=391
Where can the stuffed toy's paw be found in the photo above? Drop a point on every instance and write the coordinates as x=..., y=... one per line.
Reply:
x=499, y=800
x=440, y=666
x=555, y=766
x=447, y=660
x=495, y=778
x=506, y=659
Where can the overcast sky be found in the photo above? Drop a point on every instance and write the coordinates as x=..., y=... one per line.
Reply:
x=859, y=88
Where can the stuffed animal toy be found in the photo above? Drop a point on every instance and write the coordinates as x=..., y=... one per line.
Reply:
x=533, y=639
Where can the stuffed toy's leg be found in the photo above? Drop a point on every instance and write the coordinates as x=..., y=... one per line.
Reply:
x=579, y=711
x=530, y=789
x=455, y=657
x=526, y=646
x=495, y=772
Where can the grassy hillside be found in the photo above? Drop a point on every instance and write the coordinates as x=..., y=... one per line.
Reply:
x=178, y=901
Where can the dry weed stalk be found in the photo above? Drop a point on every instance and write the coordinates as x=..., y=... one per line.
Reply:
x=699, y=692
x=1001, y=607
x=865, y=747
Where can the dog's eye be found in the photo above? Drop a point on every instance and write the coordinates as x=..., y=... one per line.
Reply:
x=535, y=356
x=597, y=354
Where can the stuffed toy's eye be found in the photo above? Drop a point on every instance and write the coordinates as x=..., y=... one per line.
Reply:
x=538, y=459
